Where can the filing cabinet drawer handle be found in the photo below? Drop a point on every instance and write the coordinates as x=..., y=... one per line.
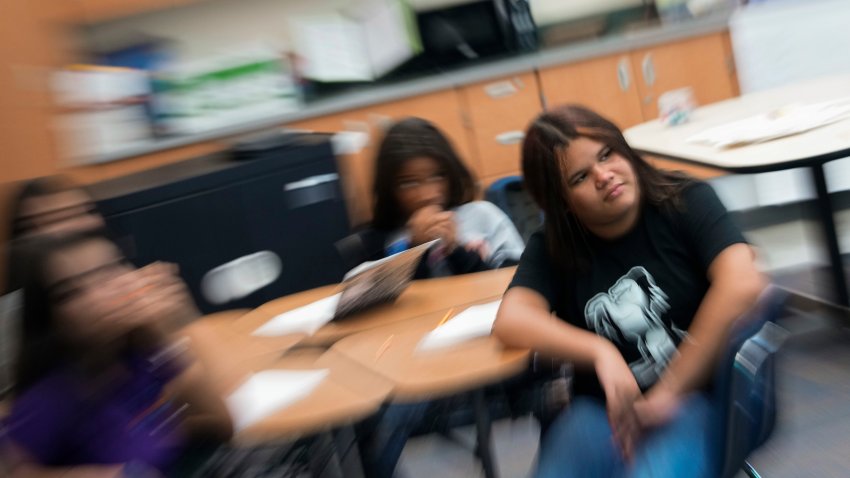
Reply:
x=502, y=89
x=623, y=76
x=510, y=137
x=648, y=68
x=311, y=181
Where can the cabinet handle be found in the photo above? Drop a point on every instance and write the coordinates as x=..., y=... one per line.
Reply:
x=381, y=122
x=501, y=89
x=311, y=181
x=648, y=68
x=510, y=137
x=623, y=76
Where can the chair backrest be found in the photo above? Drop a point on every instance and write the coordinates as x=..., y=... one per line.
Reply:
x=510, y=196
x=745, y=383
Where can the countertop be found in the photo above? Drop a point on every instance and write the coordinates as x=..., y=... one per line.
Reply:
x=363, y=95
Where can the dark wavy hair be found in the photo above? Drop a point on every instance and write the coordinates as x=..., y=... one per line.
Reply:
x=26, y=190
x=407, y=139
x=42, y=349
x=546, y=140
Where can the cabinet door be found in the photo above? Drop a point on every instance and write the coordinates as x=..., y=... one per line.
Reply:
x=101, y=10
x=357, y=169
x=499, y=112
x=197, y=232
x=299, y=214
x=704, y=64
x=606, y=85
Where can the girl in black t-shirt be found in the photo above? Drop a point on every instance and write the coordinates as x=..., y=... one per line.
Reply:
x=646, y=273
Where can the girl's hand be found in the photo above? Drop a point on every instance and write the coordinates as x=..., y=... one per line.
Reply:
x=445, y=229
x=421, y=224
x=657, y=407
x=480, y=247
x=621, y=391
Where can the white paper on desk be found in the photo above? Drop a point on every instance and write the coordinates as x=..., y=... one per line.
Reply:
x=476, y=321
x=268, y=392
x=305, y=319
x=786, y=121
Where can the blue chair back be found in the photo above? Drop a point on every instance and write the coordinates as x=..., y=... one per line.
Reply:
x=510, y=196
x=745, y=382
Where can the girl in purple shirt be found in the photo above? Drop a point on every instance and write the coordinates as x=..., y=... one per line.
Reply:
x=102, y=389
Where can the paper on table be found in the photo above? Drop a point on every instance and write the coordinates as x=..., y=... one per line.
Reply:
x=268, y=392
x=476, y=321
x=307, y=319
x=786, y=121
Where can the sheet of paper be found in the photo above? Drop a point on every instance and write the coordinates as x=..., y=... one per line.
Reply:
x=268, y=392
x=785, y=121
x=476, y=321
x=305, y=319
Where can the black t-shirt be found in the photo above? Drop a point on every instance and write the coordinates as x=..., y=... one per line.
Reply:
x=643, y=289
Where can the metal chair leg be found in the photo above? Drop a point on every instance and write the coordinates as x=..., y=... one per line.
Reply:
x=749, y=470
x=483, y=424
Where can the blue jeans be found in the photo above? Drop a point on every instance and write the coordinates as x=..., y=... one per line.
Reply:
x=580, y=444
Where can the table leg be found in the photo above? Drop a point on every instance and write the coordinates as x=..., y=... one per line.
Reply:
x=484, y=446
x=825, y=212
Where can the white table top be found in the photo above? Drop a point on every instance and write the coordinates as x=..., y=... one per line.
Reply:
x=812, y=147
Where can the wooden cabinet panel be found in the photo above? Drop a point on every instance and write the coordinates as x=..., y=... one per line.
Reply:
x=499, y=112
x=442, y=108
x=102, y=10
x=701, y=172
x=702, y=63
x=101, y=172
x=606, y=85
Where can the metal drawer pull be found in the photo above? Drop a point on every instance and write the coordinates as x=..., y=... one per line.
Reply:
x=501, y=89
x=648, y=68
x=510, y=137
x=311, y=181
x=312, y=190
x=623, y=76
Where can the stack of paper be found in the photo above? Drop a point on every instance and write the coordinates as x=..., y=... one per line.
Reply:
x=305, y=319
x=476, y=321
x=786, y=121
x=268, y=392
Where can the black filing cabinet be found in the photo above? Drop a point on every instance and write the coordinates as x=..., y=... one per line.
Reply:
x=207, y=211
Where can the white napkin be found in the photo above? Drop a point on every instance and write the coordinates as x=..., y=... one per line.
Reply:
x=476, y=321
x=269, y=391
x=791, y=119
x=307, y=318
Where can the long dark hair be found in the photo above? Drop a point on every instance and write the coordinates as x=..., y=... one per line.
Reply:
x=544, y=169
x=41, y=348
x=30, y=189
x=407, y=139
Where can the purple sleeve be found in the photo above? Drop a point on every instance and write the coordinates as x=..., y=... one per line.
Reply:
x=40, y=418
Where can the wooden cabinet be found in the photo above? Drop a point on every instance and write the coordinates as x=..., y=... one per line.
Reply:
x=701, y=172
x=93, y=11
x=442, y=108
x=703, y=63
x=606, y=85
x=499, y=112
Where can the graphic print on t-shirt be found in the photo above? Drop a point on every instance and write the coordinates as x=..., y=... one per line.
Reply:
x=630, y=315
